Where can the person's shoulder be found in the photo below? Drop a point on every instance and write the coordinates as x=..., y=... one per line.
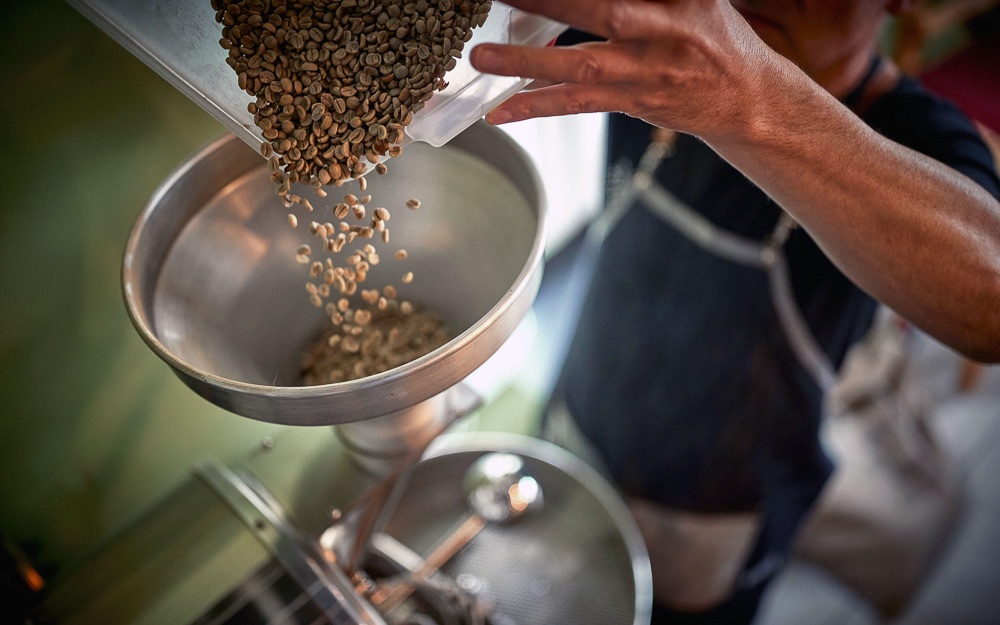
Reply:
x=910, y=109
x=912, y=105
x=920, y=119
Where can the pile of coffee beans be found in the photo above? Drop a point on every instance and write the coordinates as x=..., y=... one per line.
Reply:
x=336, y=81
x=389, y=337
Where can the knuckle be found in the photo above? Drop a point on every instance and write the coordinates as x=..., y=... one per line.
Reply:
x=618, y=19
x=576, y=106
x=529, y=109
x=589, y=69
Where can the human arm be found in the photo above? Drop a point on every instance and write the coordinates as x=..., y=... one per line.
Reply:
x=915, y=234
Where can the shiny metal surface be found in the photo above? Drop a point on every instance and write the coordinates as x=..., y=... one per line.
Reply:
x=578, y=559
x=211, y=285
x=499, y=490
x=377, y=449
x=326, y=586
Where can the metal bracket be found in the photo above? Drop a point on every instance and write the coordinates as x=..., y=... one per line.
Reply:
x=327, y=586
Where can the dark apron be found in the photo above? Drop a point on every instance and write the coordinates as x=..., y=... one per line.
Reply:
x=691, y=374
x=692, y=370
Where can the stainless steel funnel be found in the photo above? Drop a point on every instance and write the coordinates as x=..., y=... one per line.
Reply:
x=211, y=283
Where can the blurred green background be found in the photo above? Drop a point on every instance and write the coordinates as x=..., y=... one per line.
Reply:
x=93, y=426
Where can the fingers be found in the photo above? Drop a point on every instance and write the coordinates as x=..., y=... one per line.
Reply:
x=675, y=64
x=598, y=64
x=553, y=101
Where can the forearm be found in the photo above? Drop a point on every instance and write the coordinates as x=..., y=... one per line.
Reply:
x=916, y=235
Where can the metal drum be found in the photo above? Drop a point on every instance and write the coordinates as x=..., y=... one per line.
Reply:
x=223, y=550
x=579, y=559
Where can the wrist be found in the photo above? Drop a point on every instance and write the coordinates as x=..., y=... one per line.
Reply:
x=779, y=111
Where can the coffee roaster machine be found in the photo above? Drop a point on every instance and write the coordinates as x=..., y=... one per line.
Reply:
x=441, y=527
x=431, y=525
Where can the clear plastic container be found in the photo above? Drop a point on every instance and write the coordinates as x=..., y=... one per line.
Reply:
x=471, y=94
x=179, y=39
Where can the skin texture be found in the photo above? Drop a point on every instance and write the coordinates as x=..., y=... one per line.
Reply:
x=758, y=81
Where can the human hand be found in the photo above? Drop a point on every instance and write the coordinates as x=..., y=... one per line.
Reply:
x=690, y=65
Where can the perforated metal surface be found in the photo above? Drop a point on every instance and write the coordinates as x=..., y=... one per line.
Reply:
x=574, y=561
